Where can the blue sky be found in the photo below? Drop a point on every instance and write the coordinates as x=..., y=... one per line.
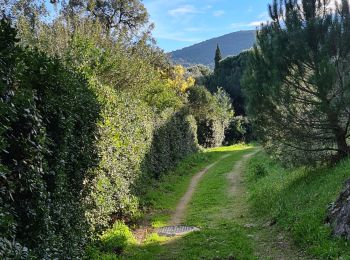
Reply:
x=180, y=23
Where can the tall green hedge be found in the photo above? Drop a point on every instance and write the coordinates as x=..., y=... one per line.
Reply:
x=48, y=120
x=73, y=147
x=125, y=132
x=175, y=137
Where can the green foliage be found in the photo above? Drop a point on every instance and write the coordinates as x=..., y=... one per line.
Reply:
x=81, y=131
x=125, y=133
x=175, y=137
x=298, y=199
x=218, y=58
x=228, y=75
x=112, y=243
x=239, y=130
x=212, y=113
x=48, y=117
x=298, y=86
x=79, y=134
x=142, y=134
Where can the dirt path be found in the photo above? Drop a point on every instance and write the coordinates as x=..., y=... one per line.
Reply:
x=180, y=210
x=270, y=242
x=227, y=225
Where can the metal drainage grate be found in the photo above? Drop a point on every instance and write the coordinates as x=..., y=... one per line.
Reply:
x=176, y=230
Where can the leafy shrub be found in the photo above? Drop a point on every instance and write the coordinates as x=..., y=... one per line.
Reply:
x=48, y=117
x=125, y=132
x=116, y=238
x=112, y=242
x=239, y=130
x=212, y=113
x=140, y=134
x=78, y=134
x=174, y=138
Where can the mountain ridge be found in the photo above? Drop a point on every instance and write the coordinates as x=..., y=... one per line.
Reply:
x=203, y=52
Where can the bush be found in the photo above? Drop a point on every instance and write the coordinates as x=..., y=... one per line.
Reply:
x=174, y=138
x=48, y=117
x=125, y=132
x=239, y=130
x=112, y=242
x=116, y=238
x=212, y=113
x=76, y=143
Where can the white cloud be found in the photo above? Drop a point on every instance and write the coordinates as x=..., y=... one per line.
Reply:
x=250, y=24
x=183, y=10
x=256, y=23
x=218, y=12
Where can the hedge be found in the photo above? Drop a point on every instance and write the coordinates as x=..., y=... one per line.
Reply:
x=72, y=151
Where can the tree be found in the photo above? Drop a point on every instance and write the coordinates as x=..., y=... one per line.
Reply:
x=29, y=10
x=228, y=75
x=218, y=57
x=298, y=85
x=120, y=15
x=212, y=113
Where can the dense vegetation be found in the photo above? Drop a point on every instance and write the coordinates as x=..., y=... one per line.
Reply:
x=297, y=87
x=298, y=82
x=90, y=108
x=48, y=122
x=96, y=123
x=227, y=76
x=203, y=53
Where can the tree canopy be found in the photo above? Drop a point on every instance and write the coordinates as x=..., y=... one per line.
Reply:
x=298, y=83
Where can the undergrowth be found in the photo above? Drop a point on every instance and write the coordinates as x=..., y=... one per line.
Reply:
x=298, y=200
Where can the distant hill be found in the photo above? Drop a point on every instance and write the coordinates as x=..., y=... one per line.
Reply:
x=203, y=52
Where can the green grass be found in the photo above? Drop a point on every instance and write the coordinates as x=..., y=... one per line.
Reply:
x=160, y=198
x=211, y=210
x=219, y=237
x=163, y=195
x=298, y=200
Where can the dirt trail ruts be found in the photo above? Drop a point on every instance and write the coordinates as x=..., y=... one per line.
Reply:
x=269, y=241
x=180, y=210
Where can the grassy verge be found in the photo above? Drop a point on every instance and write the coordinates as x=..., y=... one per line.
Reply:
x=298, y=199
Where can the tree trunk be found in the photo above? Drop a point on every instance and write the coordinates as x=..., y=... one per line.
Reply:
x=339, y=134
x=343, y=147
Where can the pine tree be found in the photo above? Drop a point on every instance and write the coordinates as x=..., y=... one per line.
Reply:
x=298, y=86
